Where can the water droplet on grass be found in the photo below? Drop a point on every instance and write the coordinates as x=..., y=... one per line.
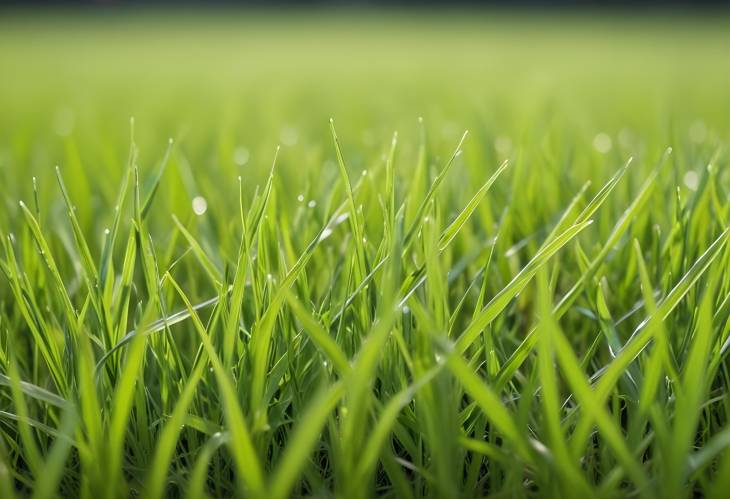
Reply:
x=240, y=156
x=602, y=143
x=200, y=205
x=691, y=180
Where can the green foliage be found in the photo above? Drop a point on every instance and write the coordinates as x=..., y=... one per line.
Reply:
x=540, y=307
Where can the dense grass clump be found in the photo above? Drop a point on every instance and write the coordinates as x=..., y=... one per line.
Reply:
x=273, y=304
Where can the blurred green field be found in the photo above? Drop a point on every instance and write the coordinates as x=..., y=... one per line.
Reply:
x=391, y=320
x=218, y=82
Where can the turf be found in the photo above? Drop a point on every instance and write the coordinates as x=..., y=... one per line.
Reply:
x=231, y=294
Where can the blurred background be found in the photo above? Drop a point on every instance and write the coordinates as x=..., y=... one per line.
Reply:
x=229, y=82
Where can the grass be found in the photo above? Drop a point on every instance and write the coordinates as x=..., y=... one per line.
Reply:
x=538, y=307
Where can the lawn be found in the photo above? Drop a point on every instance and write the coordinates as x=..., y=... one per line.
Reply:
x=276, y=254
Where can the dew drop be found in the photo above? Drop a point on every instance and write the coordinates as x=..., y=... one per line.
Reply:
x=200, y=205
x=602, y=143
x=691, y=180
x=240, y=156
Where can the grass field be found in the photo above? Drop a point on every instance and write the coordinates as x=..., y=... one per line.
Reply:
x=209, y=288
